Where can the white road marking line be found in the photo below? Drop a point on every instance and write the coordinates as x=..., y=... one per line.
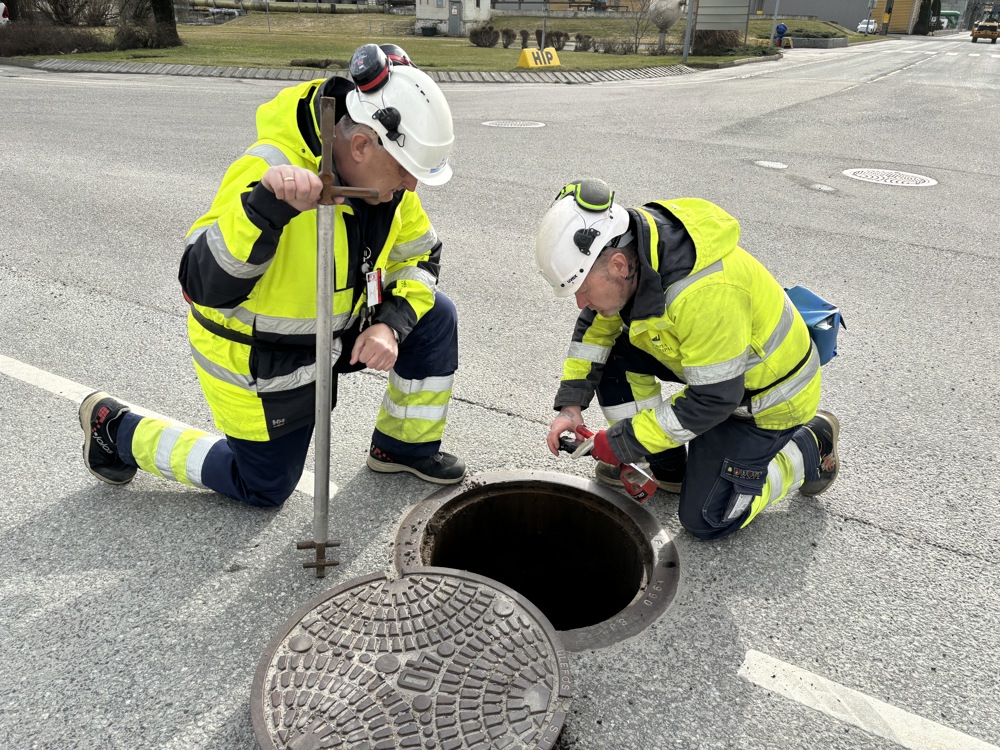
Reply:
x=973, y=54
x=951, y=54
x=76, y=393
x=852, y=707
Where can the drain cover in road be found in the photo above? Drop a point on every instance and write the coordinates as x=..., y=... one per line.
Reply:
x=437, y=659
x=513, y=124
x=891, y=177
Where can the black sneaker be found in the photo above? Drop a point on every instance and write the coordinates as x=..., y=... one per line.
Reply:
x=97, y=413
x=826, y=428
x=610, y=476
x=441, y=468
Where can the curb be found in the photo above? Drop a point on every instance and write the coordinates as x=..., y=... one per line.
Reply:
x=308, y=74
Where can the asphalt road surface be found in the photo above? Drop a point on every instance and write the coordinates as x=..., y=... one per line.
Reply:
x=867, y=618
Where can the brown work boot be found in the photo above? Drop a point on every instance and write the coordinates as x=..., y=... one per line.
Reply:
x=826, y=428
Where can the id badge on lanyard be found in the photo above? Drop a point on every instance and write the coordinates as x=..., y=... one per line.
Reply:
x=374, y=288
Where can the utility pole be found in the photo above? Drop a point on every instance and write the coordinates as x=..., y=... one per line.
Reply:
x=687, y=30
x=774, y=22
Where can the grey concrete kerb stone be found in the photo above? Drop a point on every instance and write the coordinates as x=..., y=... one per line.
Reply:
x=299, y=74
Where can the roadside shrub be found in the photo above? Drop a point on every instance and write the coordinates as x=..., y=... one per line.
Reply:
x=659, y=50
x=524, y=39
x=584, y=42
x=615, y=46
x=507, y=37
x=29, y=37
x=63, y=12
x=99, y=12
x=715, y=42
x=805, y=34
x=145, y=36
x=557, y=40
x=752, y=50
x=484, y=36
x=324, y=63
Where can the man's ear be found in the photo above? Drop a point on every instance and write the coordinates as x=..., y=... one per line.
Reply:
x=618, y=265
x=361, y=145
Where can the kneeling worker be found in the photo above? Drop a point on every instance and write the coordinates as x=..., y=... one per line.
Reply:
x=666, y=294
x=249, y=274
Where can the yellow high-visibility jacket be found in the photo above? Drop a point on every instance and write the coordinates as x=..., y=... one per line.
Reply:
x=713, y=315
x=249, y=272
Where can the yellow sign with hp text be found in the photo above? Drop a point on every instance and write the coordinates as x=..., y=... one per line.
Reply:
x=538, y=58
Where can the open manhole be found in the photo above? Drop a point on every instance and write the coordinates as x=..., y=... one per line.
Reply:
x=513, y=124
x=890, y=177
x=596, y=563
x=433, y=659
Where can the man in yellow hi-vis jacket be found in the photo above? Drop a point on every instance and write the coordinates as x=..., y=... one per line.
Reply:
x=667, y=294
x=249, y=274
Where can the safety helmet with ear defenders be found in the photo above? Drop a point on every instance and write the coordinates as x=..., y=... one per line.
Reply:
x=407, y=110
x=581, y=222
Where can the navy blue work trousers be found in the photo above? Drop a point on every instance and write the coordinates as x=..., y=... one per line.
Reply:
x=708, y=492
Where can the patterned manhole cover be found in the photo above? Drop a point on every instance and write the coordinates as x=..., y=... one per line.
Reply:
x=890, y=177
x=437, y=659
x=513, y=124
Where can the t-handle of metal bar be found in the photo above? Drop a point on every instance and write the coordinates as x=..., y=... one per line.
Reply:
x=326, y=216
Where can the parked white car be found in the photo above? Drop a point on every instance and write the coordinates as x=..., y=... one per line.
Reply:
x=867, y=26
x=4, y=17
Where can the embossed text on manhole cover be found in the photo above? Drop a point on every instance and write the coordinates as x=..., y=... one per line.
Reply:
x=437, y=659
x=890, y=177
x=513, y=124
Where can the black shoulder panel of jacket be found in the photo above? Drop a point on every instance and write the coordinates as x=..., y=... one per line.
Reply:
x=336, y=87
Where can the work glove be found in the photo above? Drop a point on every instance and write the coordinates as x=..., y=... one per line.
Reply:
x=602, y=449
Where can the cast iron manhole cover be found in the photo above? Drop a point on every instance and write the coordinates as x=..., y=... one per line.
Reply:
x=513, y=124
x=890, y=177
x=436, y=659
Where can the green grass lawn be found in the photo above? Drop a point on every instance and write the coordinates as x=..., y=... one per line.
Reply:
x=287, y=40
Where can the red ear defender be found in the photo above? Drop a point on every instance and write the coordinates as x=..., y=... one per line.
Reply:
x=370, y=68
x=397, y=54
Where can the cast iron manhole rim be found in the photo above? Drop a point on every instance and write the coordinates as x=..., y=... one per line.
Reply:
x=890, y=177
x=661, y=570
x=513, y=124
x=435, y=658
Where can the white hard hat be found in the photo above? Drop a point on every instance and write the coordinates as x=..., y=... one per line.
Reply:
x=407, y=110
x=581, y=222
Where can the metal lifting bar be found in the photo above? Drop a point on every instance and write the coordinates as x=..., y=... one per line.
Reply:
x=326, y=215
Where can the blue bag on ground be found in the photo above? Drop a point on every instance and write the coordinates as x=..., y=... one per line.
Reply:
x=822, y=318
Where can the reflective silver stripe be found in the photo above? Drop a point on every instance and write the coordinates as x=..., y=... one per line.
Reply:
x=221, y=373
x=431, y=413
x=741, y=505
x=667, y=420
x=629, y=409
x=297, y=326
x=717, y=373
x=246, y=317
x=196, y=459
x=674, y=290
x=793, y=453
x=300, y=377
x=589, y=352
x=414, y=274
x=776, y=481
x=194, y=236
x=777, y=337
x=164, y=447
x=230, y=264
x=790, y=388
x=414, y=248
x=438, y=384
x=273, y=155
